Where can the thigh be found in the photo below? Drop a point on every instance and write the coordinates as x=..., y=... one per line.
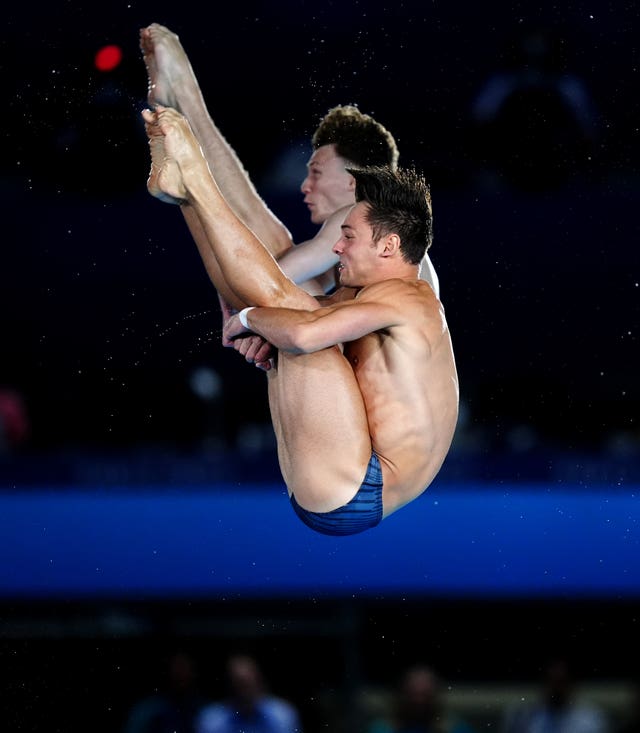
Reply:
x=321, y=427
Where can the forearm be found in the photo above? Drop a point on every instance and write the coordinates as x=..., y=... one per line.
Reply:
x=306, y=329
x=284, y=328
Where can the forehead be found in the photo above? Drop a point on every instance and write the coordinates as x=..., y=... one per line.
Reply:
x=356, y=218
x=326, y=156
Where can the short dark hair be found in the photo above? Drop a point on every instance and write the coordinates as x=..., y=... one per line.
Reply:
x=399, y=201
x=358, y=137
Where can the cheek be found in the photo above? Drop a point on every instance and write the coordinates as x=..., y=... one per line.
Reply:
x=335, y=187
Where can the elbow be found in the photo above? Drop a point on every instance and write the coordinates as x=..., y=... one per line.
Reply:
x=301, y=341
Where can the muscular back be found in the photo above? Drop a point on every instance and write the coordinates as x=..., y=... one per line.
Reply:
x=407, y=376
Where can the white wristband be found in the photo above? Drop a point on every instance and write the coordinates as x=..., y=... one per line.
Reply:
x=243, y=316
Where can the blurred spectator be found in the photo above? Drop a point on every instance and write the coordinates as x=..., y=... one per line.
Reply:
x=249, y=707
x=419, y=707
x=174, y=707
x=535, y=120
x=558, y=710
x=14, y=422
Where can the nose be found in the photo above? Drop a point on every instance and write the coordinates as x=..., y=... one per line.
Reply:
x=337, y=247
x=304, y=186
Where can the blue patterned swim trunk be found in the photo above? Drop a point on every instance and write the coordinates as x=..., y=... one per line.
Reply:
x=361, y=513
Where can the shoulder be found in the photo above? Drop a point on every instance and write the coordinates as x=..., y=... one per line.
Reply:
x=408, y=304
x=398, y=288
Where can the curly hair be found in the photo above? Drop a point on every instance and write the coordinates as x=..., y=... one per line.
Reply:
x=358, y=137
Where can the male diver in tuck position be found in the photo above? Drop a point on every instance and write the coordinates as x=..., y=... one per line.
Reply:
x=364, y=390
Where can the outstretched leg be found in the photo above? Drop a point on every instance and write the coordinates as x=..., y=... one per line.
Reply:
x=181, y=172
x=168, y=67
x=317, y=409
x=165, y=183
x=172, y=83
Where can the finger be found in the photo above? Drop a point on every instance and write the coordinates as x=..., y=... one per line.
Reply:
x=245, y=347
x=264, y=352
x=254, y=346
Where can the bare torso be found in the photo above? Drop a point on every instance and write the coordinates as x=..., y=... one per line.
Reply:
x=407, y=377
x=393, y=391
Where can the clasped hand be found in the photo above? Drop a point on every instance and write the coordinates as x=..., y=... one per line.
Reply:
x=254, y=348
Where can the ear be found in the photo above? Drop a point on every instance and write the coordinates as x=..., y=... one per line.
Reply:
x=352, y=183
x=390, y=245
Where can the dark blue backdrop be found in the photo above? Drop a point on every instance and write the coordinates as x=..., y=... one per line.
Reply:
x=240, y=542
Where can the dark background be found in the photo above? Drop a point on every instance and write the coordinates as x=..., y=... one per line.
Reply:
x=107, y=313
x=108, y=309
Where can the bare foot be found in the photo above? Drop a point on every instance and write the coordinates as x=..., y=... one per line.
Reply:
x=165, y=179
x=168, y=67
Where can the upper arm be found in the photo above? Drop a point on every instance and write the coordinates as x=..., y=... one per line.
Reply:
x=347, y=321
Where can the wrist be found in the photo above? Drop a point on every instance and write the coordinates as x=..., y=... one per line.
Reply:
x=242, y=316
